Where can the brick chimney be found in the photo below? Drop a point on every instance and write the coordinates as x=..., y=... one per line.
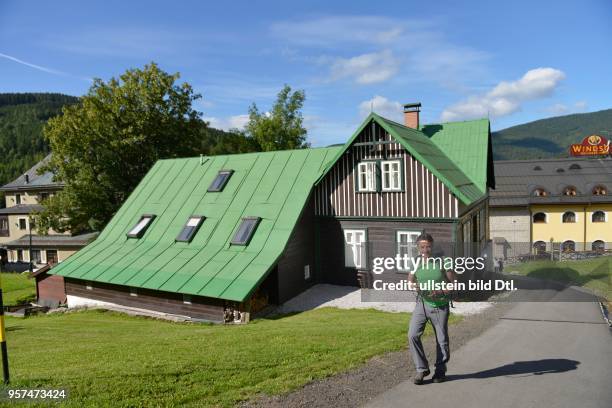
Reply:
x=411, y=115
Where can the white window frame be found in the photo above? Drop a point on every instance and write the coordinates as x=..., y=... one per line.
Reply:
x=399, y=245
x=367, y=168
x=19, y=223
x=355, y=253
x=389, y=171
x=40, y=255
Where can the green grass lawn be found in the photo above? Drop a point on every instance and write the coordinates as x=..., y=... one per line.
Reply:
x=16, y=288
x=107, y=358
x=594, y=274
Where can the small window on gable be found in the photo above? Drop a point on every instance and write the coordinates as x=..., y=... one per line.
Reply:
x=391, y=175
x=220, y=181
x=191, y=227
x=245, y=230
x=140, y=228
x=366, y=176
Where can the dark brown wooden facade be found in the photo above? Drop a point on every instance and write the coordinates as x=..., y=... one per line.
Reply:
x=424, y=204
x=381, y=242
x=50, y=289
x=203, y=308
x=423, y=195
x=299, y=256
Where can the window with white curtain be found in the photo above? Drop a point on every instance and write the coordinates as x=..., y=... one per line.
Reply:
x=391, y=176
x=406, y=245
x=355, y=248
x=366, y=176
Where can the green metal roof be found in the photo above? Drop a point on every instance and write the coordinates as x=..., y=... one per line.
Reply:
x=272, y=185
x=450, y=167
x=466, y=144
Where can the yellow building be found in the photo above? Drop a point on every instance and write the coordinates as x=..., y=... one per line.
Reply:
x=19, y=237
x=560, y=203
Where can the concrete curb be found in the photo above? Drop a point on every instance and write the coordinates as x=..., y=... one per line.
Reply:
x=604, y=313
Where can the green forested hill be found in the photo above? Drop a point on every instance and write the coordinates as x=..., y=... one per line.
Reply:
x=550, y=137
x=22, y=117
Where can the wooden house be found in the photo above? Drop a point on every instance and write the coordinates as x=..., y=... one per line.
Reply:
x=218, y=238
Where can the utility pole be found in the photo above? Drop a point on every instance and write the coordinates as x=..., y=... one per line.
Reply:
x=5, y=367
x=30, y=256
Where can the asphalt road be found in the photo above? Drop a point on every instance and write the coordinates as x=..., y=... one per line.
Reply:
x=539, y=354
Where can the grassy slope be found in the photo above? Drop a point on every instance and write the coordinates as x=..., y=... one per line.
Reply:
x=107, y=358
x=595, y=274
x=16, y=286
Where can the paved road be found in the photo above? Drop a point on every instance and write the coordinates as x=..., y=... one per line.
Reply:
x=540, y=354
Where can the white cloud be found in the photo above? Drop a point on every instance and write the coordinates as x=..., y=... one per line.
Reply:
x=231, y=122
x=507, y=97
x=563, y=109
x=384, y=107
x=558, y=109
x=366, y=68
x=426, y=53
x=580, y=106
x=328, y=32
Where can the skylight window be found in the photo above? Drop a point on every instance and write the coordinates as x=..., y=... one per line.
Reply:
x=245, y=231
x=220, y=181
x=141, y=227
x=191, y=227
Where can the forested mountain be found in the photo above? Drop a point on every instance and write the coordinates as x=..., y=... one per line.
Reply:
x=550, y=137
x=22, y=117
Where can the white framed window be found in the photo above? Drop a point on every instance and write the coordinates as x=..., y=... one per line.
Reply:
x=406, y=245
x=391, y=175
x=36, y=256
x=22, y=223
x=355, y=248
x=366, y=176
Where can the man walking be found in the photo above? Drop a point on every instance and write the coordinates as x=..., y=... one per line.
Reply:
x=432, y=306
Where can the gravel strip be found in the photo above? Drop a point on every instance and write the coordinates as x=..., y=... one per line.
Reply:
x=348, y=297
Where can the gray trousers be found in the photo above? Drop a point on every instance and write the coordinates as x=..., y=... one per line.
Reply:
x=438, y=316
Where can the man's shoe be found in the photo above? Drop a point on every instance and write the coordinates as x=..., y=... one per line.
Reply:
x=438, y=377
x=420, y=376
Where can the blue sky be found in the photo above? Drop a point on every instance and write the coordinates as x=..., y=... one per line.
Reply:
x=512, y=61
